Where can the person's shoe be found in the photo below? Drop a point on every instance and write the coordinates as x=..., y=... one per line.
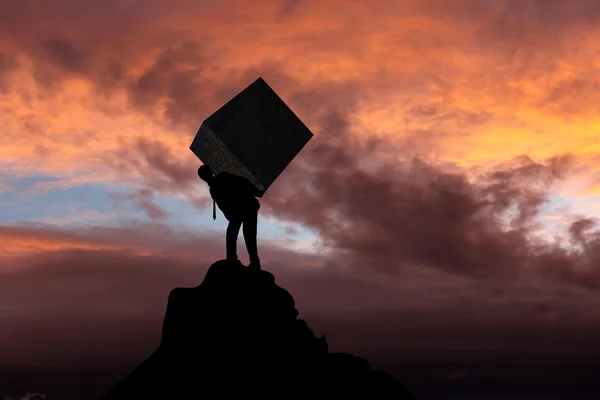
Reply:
x=254, y=266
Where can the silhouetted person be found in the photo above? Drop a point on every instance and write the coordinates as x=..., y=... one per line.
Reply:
x=236, y=198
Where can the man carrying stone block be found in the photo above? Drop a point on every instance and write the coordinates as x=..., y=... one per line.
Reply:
x=244, y=146
x=236, y=198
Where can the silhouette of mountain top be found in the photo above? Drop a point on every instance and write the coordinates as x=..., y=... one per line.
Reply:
x=239, y=333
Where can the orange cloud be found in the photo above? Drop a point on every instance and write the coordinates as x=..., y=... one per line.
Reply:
x=399, y=56
x=118, y=96
x=34, y=239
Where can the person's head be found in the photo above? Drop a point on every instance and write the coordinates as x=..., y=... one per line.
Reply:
x=205, y=173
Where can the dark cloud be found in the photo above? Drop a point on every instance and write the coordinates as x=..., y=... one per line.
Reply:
x=65, y=54
x=288, y=7
x=110, y=75
x=159, y=157
x=180, y=78
x=580, y=228
x=152, y=210
x=103, y=309
x=159, y=171
x=572, y=96
x=7, y=65
x=512, y=18
x=57, y=59
x=413, y=212
x=144, y=199
x=166, y=77
x=550, y=15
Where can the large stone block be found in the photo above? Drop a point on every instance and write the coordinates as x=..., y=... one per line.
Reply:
x=254, y=135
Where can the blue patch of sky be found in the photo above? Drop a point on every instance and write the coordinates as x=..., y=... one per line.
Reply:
x=183, y=213
x=561, y=210
x=22, y=202
x=572, y=205
x=97, y=204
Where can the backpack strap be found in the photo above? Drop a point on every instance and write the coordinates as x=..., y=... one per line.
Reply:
x=214, y=210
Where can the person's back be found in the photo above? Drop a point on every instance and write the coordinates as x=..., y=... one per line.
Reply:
x=234, y=195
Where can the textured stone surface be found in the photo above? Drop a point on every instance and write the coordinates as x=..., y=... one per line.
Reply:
x=254, y=135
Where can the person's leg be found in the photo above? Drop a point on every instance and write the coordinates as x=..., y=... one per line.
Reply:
x=250, y=228
x=233, y=229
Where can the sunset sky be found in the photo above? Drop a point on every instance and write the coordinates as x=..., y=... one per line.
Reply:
x=447, y=201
